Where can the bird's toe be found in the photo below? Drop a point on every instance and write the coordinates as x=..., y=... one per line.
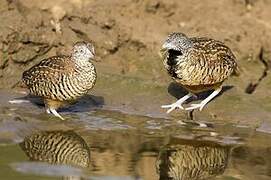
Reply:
x=172, y=107
x=193, y=106
x=166, y=106
x=48, y=111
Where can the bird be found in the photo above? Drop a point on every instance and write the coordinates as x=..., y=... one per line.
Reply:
x=192, y=160
x=60, y=80
x=197, y=64
x=57, y=147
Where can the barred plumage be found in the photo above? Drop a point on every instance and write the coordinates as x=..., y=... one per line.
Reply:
x=192, y=161
x=197, y=64
x=57, y=147
x=62, y=79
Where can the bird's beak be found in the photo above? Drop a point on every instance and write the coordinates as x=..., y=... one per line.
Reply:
x=166, y=46
x=163, y=51
x=94, y=59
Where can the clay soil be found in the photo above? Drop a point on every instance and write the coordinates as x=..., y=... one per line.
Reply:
x=128, y=35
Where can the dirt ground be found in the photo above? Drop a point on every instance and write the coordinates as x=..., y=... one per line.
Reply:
x=128, y=35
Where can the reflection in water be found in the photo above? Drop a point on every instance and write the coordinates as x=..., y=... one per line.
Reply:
x=130, y=154
x=192, y=160
x=57, y=147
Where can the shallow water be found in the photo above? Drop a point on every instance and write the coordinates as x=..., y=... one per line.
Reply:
x=106, y=144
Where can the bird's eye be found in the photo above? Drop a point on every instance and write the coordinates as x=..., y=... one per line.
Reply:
x=81, y=51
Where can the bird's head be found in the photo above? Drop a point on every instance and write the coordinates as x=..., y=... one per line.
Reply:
x=176, y=42
x=83, y=51
x=175, y=46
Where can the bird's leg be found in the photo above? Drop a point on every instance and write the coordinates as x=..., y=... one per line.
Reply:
x=205, y=101
x=54, y=112
x=177, y=104
x=51, y=106
x=47, y=108
x=48, y=111
x=18, y=101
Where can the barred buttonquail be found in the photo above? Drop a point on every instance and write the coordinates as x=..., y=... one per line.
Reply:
x=57, y=147
x=62, y=79
x=197, y=64
x=192, y=161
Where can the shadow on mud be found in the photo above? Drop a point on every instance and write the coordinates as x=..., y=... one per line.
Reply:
x=83, y=104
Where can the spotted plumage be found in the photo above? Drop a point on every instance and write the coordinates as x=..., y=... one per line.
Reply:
x=62, y=79
x=197, y=64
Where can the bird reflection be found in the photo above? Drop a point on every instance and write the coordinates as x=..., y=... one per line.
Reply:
x=192, y=160
x=58, y=148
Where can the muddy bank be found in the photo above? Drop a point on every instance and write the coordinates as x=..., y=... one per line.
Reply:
x=128, y=36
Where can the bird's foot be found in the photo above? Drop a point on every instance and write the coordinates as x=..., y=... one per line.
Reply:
x=18, y=101
x=48, y=111
x=205, y=101
x=173, y=106
x=177, y=104
x=195, y=106
x=54, y=112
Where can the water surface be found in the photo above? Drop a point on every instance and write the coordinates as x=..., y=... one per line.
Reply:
x=106, y=144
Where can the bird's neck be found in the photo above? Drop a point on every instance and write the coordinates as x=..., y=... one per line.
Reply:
x=83, y=65
x=187, y=45
x=80, y=60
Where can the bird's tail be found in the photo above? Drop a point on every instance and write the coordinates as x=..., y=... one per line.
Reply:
x=19, y=84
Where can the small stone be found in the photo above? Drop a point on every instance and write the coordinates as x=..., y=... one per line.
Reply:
x=109, y=24
x=214, y=134
x=152, y=6
x=3, y=60
x=182, y=24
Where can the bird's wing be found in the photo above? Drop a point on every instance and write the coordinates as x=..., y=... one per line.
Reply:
x=208, y=62
x=43, y=79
